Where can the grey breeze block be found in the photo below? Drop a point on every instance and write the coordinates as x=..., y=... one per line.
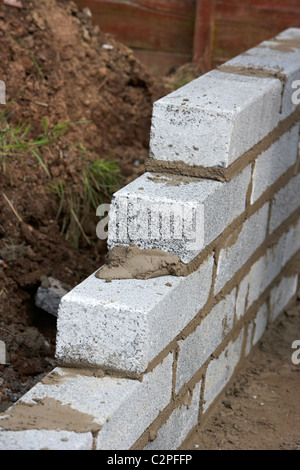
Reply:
x=280, y=56
x=214, y=119
x=125, y=324
x=120, y=408
x=141, y=213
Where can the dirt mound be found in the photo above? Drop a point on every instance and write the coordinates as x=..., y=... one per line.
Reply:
x=58, y=69
x=56, y=64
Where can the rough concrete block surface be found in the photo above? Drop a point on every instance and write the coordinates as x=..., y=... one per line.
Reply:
x=260, y=322
x=275, y=260
x=196, y=348
x=178, y=425
x=240, y=245
x=280, y=57
x=248, y=344
x=35, y=439
x=179, y=215
x=282, y=294
x=124, y=324
x=273, y=162
x=214, y=119
x=118, y=409
x=292, y=244
x=135, y=415
x=263, y=272
x=285, y=202
x=251, y=286
x=220, y=370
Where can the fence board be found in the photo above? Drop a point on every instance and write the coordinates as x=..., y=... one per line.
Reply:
x=166, y=33
x=241, y=24
x=150, y=25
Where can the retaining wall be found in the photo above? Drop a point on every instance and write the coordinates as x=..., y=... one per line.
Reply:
x=142, y=360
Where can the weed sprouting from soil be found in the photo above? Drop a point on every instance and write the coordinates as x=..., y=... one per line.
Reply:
x=16, y=141
x=78, y=199
x=100, y=178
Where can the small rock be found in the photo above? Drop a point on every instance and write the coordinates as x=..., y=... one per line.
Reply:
x=49, y=294
x=107, y=46
x=13, y=252
x=87, y=12
x=39, y=21
x=85, y=34
x=13, y=3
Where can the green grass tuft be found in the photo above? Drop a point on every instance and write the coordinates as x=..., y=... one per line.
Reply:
x=77, y=200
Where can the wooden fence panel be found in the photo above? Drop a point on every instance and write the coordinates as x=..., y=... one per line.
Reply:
x=168, y=33
x=144, y=24
x=242, y=24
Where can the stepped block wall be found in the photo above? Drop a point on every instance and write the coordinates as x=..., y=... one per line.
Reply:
x=143, y=360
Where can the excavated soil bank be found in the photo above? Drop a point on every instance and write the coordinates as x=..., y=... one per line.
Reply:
x=57, y=66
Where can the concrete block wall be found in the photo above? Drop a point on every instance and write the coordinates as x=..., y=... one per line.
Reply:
x=142, y=361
